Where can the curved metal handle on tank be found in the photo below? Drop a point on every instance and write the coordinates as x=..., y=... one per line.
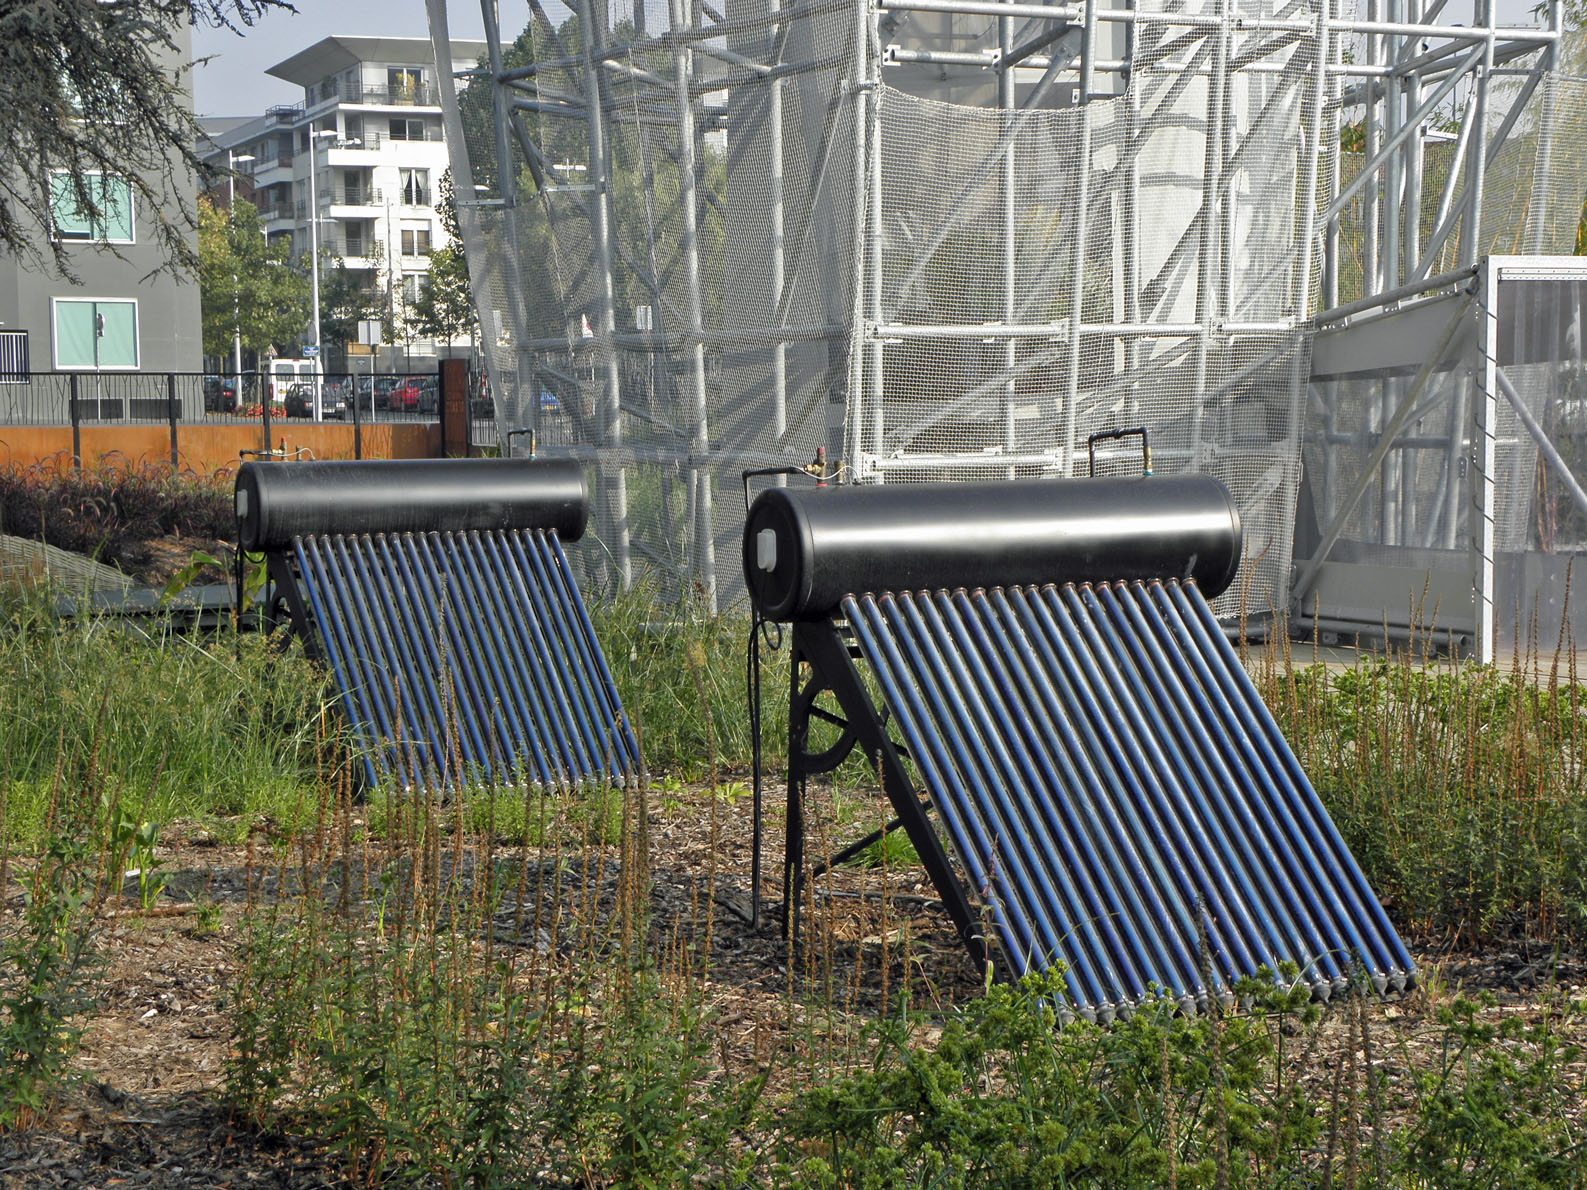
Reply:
x=1105, y=435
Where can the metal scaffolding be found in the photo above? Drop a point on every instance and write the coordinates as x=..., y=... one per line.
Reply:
x=950, y=238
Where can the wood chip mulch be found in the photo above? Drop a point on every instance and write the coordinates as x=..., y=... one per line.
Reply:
x=146, y=1109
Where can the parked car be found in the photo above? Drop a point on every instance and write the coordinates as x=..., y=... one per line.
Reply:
x=298, y=400
x=341, y=406
x=429, y=394
x=383, y=387
x=220, y=394
x=408, y=396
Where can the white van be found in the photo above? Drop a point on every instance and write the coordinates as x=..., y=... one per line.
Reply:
x=284, y=373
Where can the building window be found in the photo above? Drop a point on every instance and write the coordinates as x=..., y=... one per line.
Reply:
x=416, y=241
x=403, y=129
x=96, y=333
x=404, y=83
x=14, y=368
x=416, y=187
x=410, y=287
x=111, y=224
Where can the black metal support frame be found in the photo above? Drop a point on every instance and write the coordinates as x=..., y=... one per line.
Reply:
x=822, y=661
x=283, y=588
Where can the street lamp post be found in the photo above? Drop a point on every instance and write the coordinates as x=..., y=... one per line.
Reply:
x=233, y=160
x=314, y=258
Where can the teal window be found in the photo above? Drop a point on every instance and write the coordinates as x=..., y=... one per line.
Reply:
x=97, y=333
x=111, y=224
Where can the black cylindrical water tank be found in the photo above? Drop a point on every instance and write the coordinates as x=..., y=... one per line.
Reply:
x=279, y=501
x=806, y=548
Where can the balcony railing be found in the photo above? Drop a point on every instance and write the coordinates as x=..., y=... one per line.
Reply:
x=346, y=246
x=415, y=196
x=352, y=196
x=374, y=140
x=278, y=210
x=421, y=96
x=285, y=113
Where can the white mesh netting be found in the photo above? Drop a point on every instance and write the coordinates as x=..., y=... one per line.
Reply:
x=809, y=248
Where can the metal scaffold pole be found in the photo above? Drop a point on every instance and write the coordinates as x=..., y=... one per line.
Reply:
x=704, y=529
x=614, y=478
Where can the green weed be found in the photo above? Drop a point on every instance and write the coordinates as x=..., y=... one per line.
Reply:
x=210, y=727
x=1455, y=786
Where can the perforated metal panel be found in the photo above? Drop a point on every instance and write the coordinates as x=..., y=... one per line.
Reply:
x=465, y=656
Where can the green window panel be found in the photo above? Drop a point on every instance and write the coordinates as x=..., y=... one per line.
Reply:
x=112, y=195
x=96, y=334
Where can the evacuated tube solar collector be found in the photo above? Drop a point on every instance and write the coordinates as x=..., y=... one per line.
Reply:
x=1047, y=664
x=440, y=597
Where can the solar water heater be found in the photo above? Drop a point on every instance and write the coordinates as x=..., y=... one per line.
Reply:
x=1063, y=730
x=439, y=595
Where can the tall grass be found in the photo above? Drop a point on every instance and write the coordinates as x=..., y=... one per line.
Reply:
x=478, y=991
x=439, y=1008
x=678, y=668
x=1458, y=787
x=190, y=726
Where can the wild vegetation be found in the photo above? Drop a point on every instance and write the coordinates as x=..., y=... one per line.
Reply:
x=114, y=510
x=511, y=987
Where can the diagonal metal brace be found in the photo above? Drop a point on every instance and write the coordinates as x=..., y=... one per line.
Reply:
x=820, y=646
x=1306, y=574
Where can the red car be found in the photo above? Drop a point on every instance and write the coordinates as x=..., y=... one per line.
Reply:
x=413, y=394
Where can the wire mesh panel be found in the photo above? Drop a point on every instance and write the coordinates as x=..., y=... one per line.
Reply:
x=1119, y=794
x=465, y=657
x=945, y=244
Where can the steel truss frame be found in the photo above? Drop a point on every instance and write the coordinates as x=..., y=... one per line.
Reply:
x=1393, y=72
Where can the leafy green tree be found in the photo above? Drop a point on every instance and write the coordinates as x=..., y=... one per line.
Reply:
x=245, y=282
x=444, y=308
x=346, y=298
x=90, y=87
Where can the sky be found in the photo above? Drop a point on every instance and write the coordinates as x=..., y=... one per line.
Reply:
x=234, y=83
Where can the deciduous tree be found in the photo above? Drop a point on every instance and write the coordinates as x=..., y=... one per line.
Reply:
x=245, y=282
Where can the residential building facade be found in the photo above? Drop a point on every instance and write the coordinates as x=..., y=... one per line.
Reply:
x=364, y=152
x=123, y=310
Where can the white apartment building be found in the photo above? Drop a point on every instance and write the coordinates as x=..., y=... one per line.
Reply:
x=364, y=149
